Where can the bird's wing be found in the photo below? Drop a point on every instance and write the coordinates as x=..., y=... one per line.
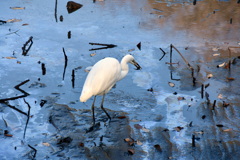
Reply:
x=103, y=75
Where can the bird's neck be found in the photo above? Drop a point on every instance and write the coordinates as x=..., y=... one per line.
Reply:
x=124, y=70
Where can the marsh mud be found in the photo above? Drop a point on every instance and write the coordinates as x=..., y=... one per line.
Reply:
x=183, y=104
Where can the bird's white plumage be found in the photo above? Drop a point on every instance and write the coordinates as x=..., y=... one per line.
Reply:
x=103, y=75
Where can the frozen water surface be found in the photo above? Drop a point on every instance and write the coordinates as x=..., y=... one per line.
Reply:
x=168, y=111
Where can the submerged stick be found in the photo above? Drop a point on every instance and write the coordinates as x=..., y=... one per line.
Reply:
x=65, y=65
x=28, y=115
x=25, y=94
x=24, y=48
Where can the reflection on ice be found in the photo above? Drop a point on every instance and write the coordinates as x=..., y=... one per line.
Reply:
x=143, y=79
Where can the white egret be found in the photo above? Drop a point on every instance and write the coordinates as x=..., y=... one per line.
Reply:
x=103, y=76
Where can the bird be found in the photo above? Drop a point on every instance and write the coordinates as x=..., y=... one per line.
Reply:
x=103, y=76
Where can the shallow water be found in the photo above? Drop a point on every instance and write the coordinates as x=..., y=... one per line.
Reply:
x=169, y=115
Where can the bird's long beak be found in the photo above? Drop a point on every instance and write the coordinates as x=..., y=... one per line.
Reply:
x=136, y=65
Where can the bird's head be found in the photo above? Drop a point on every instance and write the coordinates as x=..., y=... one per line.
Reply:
x=131, y=60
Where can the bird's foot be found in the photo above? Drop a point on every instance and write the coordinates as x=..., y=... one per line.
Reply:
x=93, y=127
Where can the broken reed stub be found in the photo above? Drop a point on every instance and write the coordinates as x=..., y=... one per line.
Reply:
x=214, y=104
x=202, y=91
x=73, y=78
x=69, y=35
x=194, y=2
x=73, y=6
x=43, y=69
x=61, y=18
x=193, y=141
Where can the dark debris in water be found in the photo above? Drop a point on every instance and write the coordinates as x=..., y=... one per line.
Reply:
x=73, y=6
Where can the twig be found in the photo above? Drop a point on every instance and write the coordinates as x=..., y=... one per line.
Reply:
x=93, y=49
x=20, y=84
x=101, y=44
x=164, y=53
x=65, y=65
x=28, y=115
x=35, y=151
x=55, y=11
x=172, y=63
x=25, y=94
x=25, y=51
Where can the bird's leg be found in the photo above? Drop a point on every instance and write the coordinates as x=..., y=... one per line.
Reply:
x=103, y=108
x=93, y=110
